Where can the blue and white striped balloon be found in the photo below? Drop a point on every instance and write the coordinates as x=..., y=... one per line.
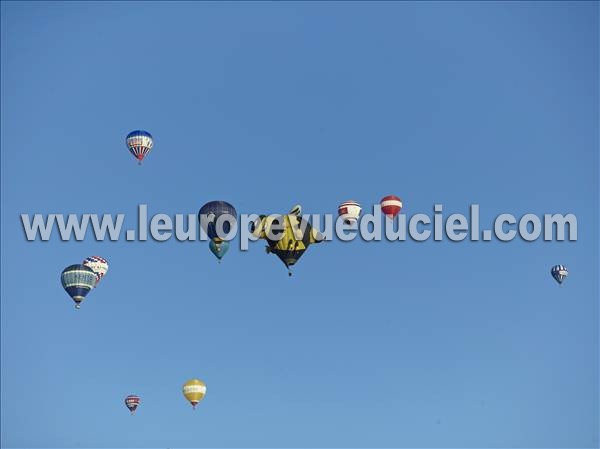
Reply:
x=78, y=280
x=559, y=273
x=139, y=143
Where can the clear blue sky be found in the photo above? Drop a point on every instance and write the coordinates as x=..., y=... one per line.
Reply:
x=267, y=105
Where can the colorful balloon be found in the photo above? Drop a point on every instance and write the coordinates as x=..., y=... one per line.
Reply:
x=218, y=248
x=391, y=206
x=559, y=273
x=78, y=280
x=98, y=266
x=211, y=212
x=350, y=211
x=194, y=391
x=288, y=236
x=139, y=143
x=132, y=401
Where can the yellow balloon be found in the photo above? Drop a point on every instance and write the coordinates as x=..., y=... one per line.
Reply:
x=194, y=391
x=297, y=236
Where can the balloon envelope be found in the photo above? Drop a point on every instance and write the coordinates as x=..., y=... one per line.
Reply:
x=218, y=248
x=139, y=143
x=350, y=211
x=391, y=206
x=287, y=236
x=194, y=391
x=78, y=280
x=559, y=273
x=131, y=402
x=209, y=216
x=98, y=266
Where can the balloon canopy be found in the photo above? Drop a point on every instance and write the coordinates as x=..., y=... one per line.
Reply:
x=216, y=219
x=78, y=280
x=139, y=143
x=218, y=248
x=391, y=206
x=131, y=402
x=287, y=236
x=194, y=391
x=349, y=211
x=98, y=265
x=559, y=273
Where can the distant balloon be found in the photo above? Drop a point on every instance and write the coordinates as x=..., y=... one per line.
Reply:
x=218, y=248
x=350, y=211
x=139, y=143
x=391, y=206
x=559, y=273
x=194, y=391
x=211, y=212
x=98, y=266
x=78, y=280
x=132, y=401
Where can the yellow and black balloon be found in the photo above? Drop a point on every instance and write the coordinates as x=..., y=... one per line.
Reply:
x=287, y=236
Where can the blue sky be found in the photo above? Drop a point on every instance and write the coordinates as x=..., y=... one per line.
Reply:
x=266, y=105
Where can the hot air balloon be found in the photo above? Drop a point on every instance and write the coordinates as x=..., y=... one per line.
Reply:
x=391, y=206
x=290, y=243
x=139, y=143
x=78, y=280
x=559, y=273
x=194, y=391
x=350, y=211
x=132, y=401
x=98, y=266
x=211, y=212
x=218, y=248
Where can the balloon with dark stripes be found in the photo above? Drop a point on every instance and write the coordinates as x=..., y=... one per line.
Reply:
x=132, y=401
x=78, y=280
x=559, y=273
x=139, y=143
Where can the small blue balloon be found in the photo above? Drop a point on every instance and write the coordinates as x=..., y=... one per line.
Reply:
x=218, y=249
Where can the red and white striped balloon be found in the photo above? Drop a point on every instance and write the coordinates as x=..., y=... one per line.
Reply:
x=350, y=211
x=132, y=401
x=391, y=206
x=98, y=265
